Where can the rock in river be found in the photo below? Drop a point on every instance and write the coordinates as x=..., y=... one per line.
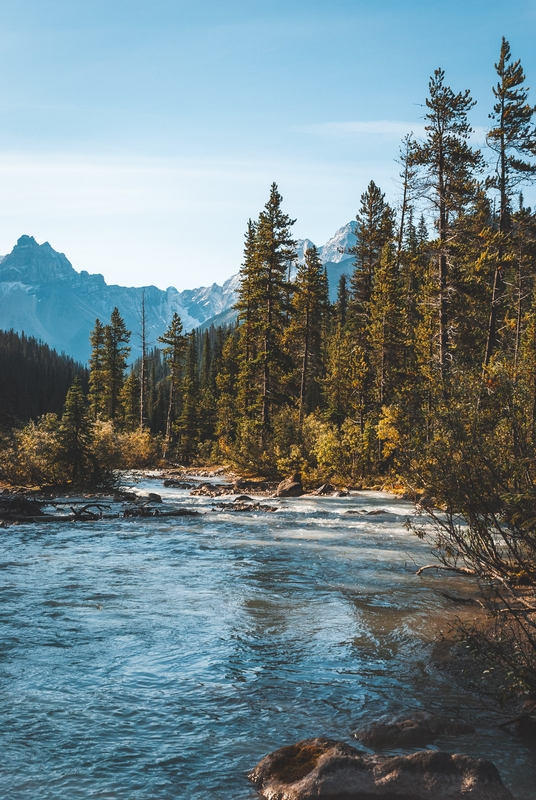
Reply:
x=290, y=487
x=416, y=730
x=324, y=769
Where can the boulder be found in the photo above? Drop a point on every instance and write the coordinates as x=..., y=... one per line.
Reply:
x=324, y=769
x=326, y=488
x=290, y=487
x=175, y=483
x=416, y=731
x=153, y=497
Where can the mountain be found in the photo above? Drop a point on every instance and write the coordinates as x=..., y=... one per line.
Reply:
x=42, y=295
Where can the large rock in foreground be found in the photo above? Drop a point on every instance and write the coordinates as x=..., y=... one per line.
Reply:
x=320, y=768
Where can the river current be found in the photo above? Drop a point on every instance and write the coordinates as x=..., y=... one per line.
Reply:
x=149, y=659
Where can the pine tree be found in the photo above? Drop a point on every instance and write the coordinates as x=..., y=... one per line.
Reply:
x=513, y=140
x=446, y=165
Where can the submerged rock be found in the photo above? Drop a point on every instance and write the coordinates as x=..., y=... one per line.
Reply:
x=290, y=487
x=244, y=506
x=416, y=731
x=175, y=483
x=210, y=490
x=320, y=768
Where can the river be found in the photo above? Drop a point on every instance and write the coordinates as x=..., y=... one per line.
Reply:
x=163, y=658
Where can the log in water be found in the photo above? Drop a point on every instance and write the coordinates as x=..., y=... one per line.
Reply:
x=163, y=658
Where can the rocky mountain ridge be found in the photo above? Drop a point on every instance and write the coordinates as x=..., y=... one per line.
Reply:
x=43, y=295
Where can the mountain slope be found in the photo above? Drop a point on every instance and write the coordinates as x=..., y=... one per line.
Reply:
x=42, y=295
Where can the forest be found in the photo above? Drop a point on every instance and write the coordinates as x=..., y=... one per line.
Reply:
x=422, y=373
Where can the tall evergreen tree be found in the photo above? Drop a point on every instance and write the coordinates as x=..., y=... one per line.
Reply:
x=341, y=305
x=513, y=140
x=143, y=363
x=175, y=346
x=187, y=424
x=130, y=400
x=116, y=353
x=374, y=230
x=76, y=436
x=247, y=307
x=265, y=290
x=308, y=328
x=97, y=377
x=207, y=400
x=446, y=164
x=385, y=331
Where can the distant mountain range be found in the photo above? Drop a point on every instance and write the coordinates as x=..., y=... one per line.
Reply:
x=44, y=296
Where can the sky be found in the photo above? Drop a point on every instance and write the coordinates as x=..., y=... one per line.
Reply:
x=139, y=136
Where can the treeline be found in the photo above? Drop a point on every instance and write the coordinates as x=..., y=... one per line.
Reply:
x=440, y=309
x=34, y=379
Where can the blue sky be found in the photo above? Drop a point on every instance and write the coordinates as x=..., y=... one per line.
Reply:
x=138, y=136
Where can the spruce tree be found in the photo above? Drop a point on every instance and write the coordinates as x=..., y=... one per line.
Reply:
x=143, y=363
x=76, y=437
x=341, y=304
x=248, y=307
x=374, y=230
x=175, y=346
x=116, y=353
x=130, y=400
x=207, y=400
x=384, y=330
x=227, y=389
x=264, y=294
x=97, y=379
x=308, y=328
x=187, y=426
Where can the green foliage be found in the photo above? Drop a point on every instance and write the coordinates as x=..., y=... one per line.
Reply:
x=34, y=378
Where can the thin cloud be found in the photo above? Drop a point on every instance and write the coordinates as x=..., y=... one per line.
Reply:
x=389, y=128
x=377, y=127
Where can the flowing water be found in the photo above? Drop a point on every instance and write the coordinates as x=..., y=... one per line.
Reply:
x=163, y=658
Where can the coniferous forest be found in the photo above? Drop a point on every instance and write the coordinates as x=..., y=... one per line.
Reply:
x=422, y=373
